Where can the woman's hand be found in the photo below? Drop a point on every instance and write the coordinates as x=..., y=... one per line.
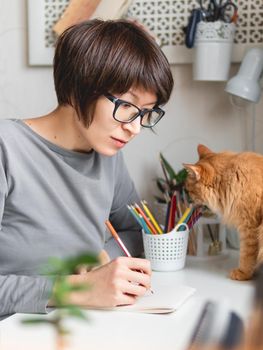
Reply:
x=118, y=282
x=103, y=258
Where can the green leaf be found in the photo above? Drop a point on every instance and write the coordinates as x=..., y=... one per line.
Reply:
x=161, y=184
x=79, y=287
x=168, y=167
x=34, y=321
x=58, y=269
x=68, y=266
x=160, y=200
x=85, y=259
x=181, y=176
x=53, y=265
x=76, y=312
x=62, y=286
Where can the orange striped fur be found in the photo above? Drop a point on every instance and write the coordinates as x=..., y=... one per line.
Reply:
x=231, y=184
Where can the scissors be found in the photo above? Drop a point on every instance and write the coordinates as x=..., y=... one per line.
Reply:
x=214, y=10
x=190, y=30
x=224, y=10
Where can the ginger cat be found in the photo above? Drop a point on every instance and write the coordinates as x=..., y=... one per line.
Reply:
x=231, y=184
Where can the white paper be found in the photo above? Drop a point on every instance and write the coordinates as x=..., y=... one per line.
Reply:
x=165, y=299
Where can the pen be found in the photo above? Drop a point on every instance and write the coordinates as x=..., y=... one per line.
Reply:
x=119, y=241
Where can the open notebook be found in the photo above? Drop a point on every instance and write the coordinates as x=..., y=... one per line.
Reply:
x=165, y=299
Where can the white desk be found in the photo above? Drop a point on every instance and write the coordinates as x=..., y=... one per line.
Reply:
x=113, y=330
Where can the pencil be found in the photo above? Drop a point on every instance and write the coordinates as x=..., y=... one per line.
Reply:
x=147, y=210
x=144, y=225
x=119, y=241
x=198, y=214
x=179, y=207
x=140, y=211
x=167, y=216
x=171, y=222
x=139, y=219
x=185, y=215
x=117, y=238
x=188, y=216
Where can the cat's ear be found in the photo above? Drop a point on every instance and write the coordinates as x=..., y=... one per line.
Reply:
x=203, y=151
x=193, y=171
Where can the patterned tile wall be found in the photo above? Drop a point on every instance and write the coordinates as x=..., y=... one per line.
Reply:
x=167, y=18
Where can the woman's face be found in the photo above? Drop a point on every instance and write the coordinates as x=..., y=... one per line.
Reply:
x=107, y=136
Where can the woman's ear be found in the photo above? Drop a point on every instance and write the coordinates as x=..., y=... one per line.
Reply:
x=193, y=171
x=203, y=151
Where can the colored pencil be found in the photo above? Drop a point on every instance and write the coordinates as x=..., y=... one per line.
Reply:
x=117, y=238
x=142, y=220
x=171, y=222
x=149, y=224
x=185, y=215
x=167, y=217
x=155, y=223
x=195, y=219
x=119, y=241
x=144, y=225
x=179, y=207
x=139, y=219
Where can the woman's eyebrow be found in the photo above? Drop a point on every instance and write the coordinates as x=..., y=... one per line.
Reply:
x=136, y=97
x=151, y=103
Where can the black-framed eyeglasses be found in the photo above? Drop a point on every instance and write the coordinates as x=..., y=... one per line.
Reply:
x=126, y=112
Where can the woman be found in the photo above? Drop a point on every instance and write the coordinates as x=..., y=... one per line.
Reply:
x=62, y=174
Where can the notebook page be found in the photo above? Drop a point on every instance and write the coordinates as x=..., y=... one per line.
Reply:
x=165, y=299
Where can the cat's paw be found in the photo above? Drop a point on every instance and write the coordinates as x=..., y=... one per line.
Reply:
x=239, y=275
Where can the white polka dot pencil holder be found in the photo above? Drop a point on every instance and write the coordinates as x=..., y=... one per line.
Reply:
x=167, y=251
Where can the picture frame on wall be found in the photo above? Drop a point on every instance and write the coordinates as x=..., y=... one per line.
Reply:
x=166, y=19
x=42, y=14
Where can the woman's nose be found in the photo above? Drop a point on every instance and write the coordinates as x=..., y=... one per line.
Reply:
x=133, y=127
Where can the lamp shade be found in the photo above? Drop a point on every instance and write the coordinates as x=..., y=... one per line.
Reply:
x=246, y=83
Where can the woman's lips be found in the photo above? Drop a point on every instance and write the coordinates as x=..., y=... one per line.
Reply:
x=118, y=142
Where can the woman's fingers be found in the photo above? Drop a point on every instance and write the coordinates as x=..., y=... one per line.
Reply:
x=136, y=264
x=138, y=277
x=126, y=299
x=134, y=289
x=119, y=282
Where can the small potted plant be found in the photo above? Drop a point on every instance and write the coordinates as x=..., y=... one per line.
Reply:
x=170, y=182
x=58, y=270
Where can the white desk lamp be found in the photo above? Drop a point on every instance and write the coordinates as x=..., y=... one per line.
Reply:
x=244, y=89
x=245, y=86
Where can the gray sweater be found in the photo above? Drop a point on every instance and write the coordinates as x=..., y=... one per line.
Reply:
x=54, y=202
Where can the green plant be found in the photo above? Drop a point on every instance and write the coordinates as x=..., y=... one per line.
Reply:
x=57, y=270
x=172, y=181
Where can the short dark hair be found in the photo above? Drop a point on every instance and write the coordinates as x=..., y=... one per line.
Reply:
x=98, y=57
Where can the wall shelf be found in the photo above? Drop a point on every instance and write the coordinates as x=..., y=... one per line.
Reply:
x=165, y=18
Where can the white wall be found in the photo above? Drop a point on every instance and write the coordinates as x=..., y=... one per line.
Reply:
x=198, y=112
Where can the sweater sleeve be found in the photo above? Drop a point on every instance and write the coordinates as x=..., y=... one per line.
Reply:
x=124, y=223
x=24, y=294
x=18, y=293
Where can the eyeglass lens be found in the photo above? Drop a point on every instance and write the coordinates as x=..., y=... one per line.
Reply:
x=126, y=113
